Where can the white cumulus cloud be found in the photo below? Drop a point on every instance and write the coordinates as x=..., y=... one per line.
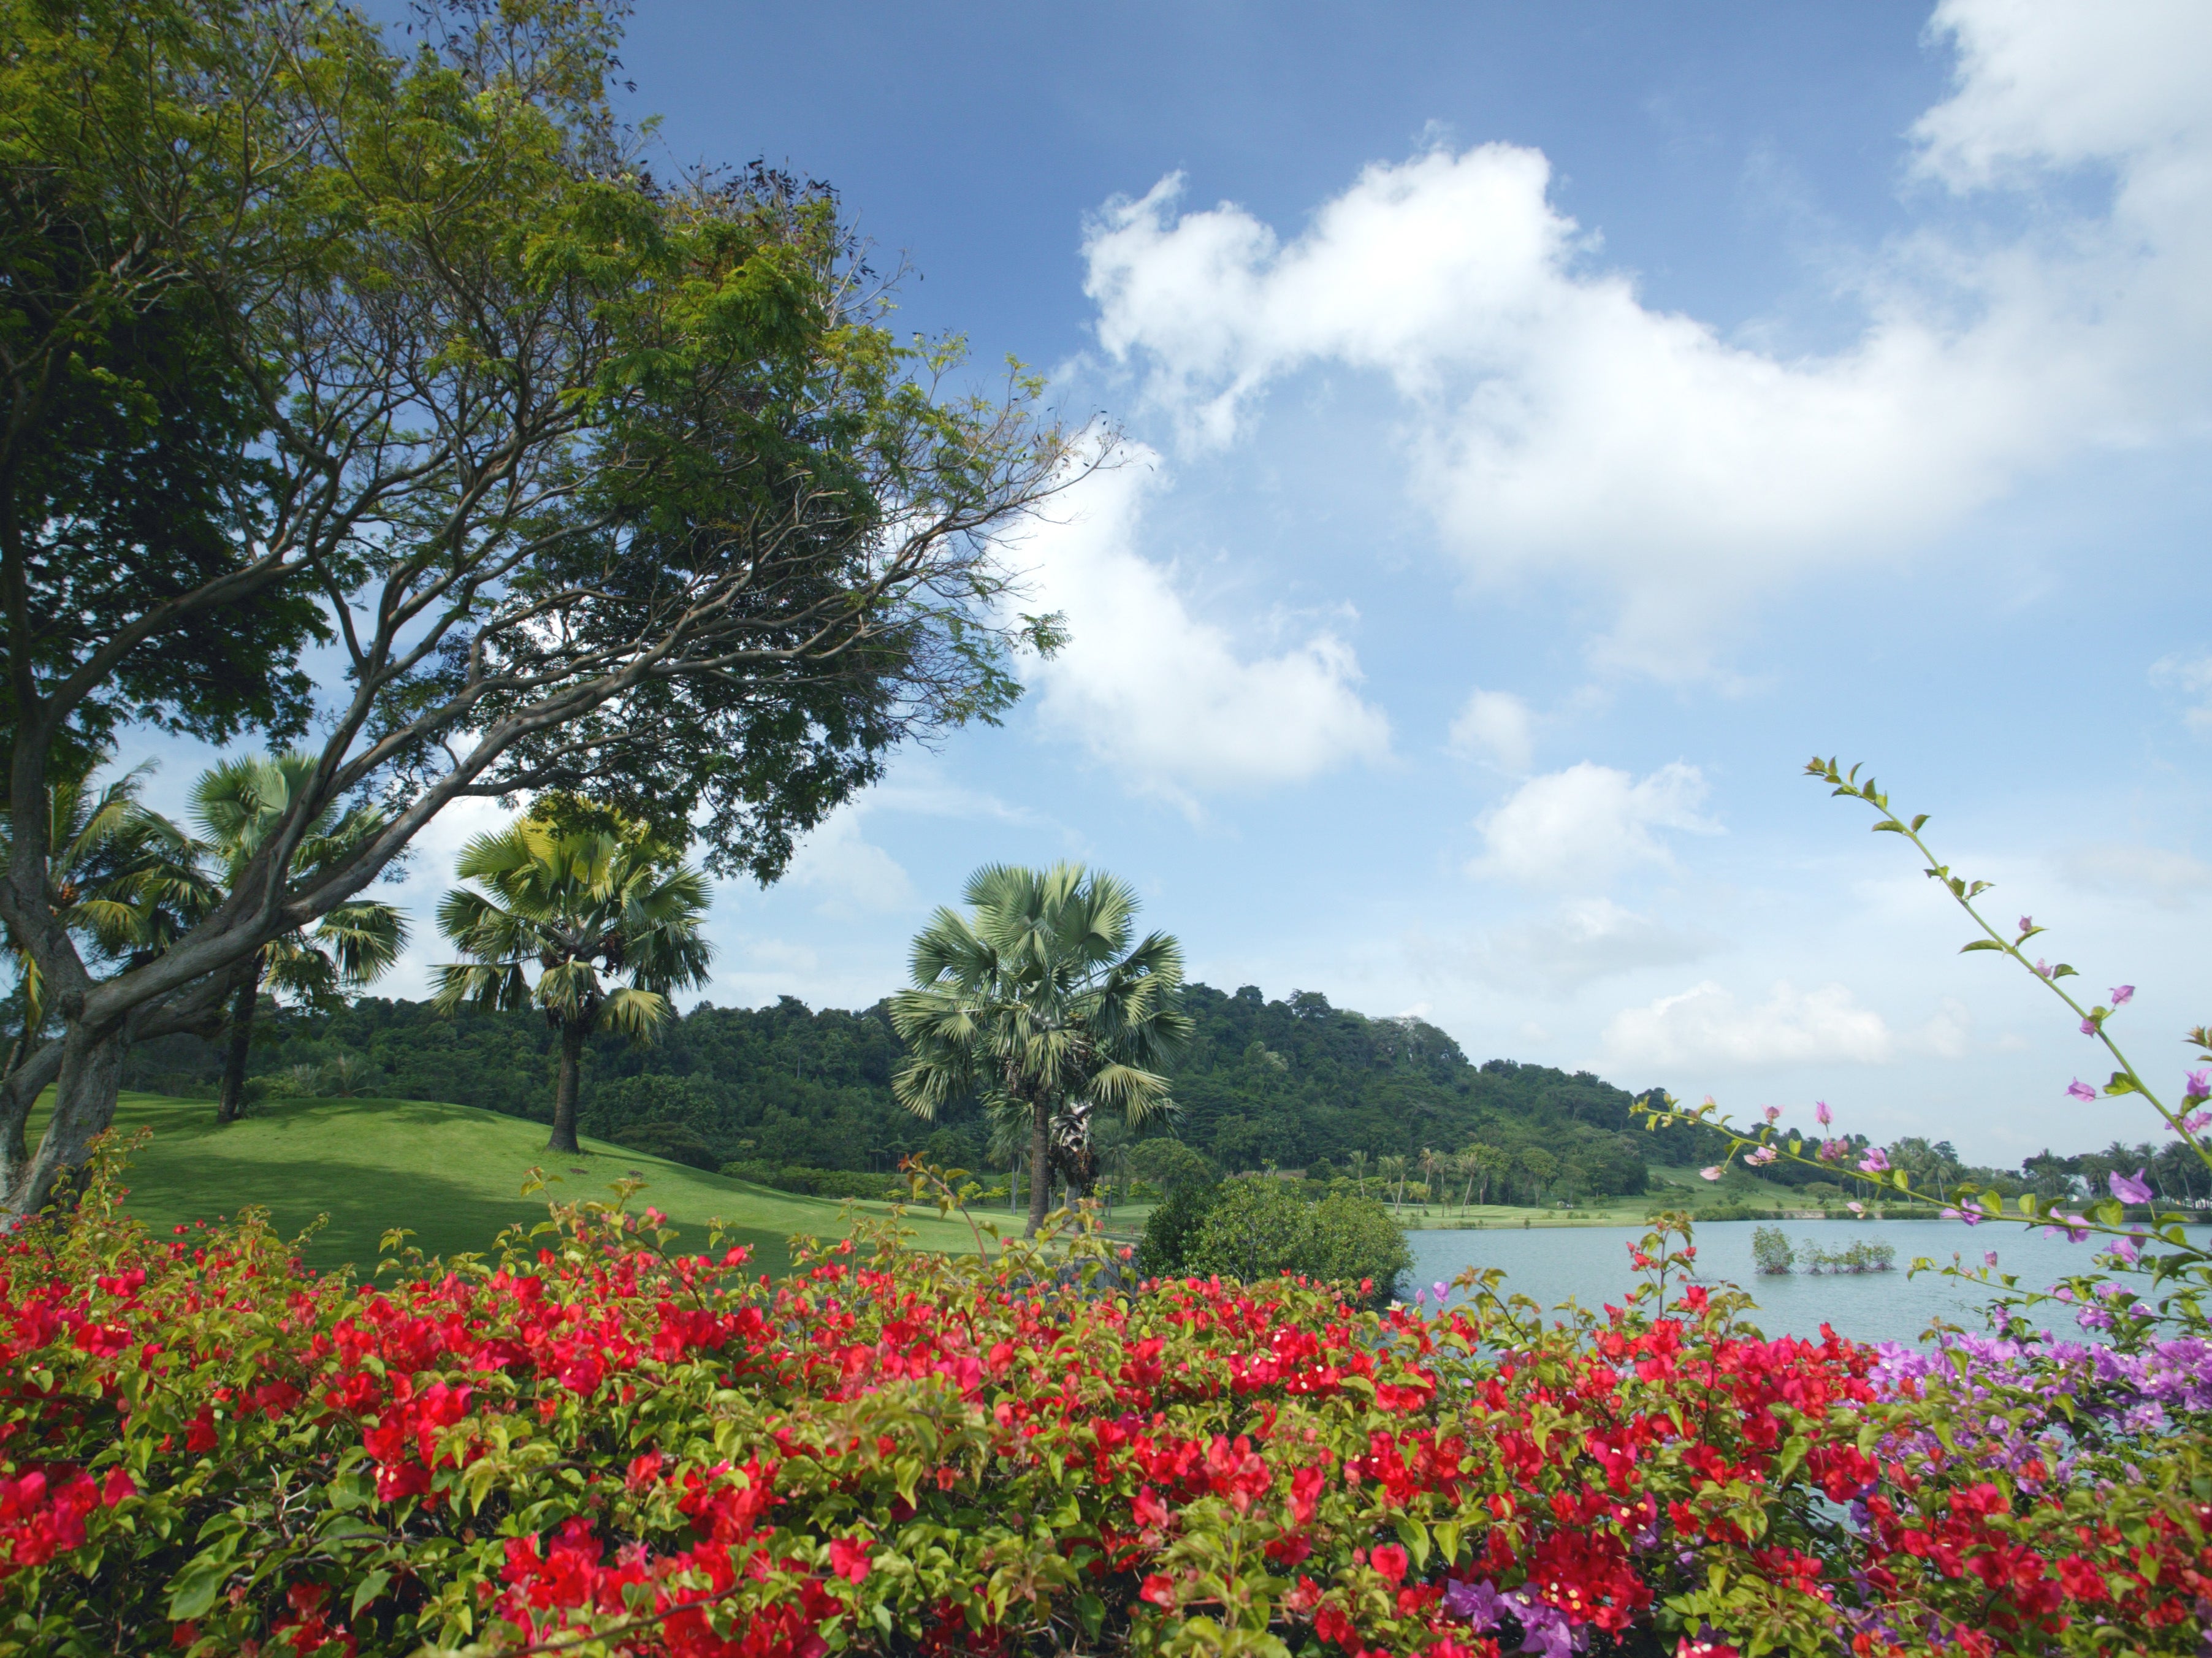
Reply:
x=1583, y=940
x=1575, y=829
x=1561, y=427
x=1496, y=726
x=1175, y=701
x=852, y=875
x=1709, y=1025
x=1706, y=1024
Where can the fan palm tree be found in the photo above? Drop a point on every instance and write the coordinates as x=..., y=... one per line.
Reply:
x=1036, y=1001
x=609, y=919
x=237, y=805
x=117, y=874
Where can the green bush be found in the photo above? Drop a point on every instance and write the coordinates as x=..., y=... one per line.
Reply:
x=1771, y=1251
x=815, y=1182
x=1253, y=1229
x=675, y=1141
x=1171, y=1227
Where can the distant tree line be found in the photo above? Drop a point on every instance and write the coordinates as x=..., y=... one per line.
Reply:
x=1282, y=1083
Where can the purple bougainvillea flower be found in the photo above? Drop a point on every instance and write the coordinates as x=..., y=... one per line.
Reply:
x=1876, y=1162
x=2126, y=1250
x=1772, y=1112
x=1443, y=1291
x=1821, y=1114
x=2123, y=995
x=1480, y=1604
x=2088, y=1027
x=2027, y=924
x=2200, y=1084
x=2197, y=1122
x=1989, y=1257
x=1855, y=1208
x=1764, y=1154
x=2129, y=1190
x=1711, y=1172
x=2043, y=966
x=2081, y=1090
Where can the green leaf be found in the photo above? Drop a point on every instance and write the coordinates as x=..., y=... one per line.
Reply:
x=2062, y=971
x=1415, y=1536
x=193, y=1590
x=371, y=1587
x=1980, y=944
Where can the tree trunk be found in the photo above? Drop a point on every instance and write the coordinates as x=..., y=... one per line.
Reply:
x=1040, y=1164
x=564, y=1094
x=230, y=1106
x=91, y=1077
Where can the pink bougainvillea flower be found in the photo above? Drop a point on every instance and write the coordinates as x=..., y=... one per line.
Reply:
x=2089, y=1027
x=1876, y=1162
x=2027, y=924
x=2075, y=1228
x=1711, y=1171
x=2129, y=1189
x=2126, y=1249
x=1764, y=1155
x=1821, y=1114
x=2123, y=995
x=1855, y=1208
x=2081, y=1090
x=2043, y=966
x=2199, y=1087
x=1773, y=1112
x=848, y=1558
x=1989, y=1257
x=2197, y=1122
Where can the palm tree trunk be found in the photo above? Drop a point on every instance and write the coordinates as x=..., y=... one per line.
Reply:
x=1040, y=1164
x=230, y=1105
x=564, y=1092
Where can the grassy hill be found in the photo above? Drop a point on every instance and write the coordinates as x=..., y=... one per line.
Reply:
x=451, y=1173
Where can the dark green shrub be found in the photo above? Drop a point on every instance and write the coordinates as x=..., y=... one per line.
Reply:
x=1253, y=1229
x=673, y=1140
x=1169, y=1232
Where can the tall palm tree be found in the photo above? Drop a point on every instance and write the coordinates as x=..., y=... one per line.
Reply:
x=1036, y=1001
x=237, y=805
x=1393, y=1174
x=115, y=870
x=608, y=917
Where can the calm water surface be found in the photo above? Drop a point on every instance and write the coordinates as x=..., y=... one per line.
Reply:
x=1590, y=1266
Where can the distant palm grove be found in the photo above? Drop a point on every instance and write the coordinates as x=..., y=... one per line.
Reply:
x=1285, y=1084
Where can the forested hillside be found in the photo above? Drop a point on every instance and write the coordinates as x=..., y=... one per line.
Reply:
x=1287, y=1083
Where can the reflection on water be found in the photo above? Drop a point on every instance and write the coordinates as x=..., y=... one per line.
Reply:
x=1591, y=1265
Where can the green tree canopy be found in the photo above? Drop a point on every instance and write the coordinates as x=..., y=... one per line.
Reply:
x=607, y=918
x=595, y=479
x=1037, y=1001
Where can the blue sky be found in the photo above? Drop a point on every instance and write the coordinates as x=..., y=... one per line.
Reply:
x=1546, y=426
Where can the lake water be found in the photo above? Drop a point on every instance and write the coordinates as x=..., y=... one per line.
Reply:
x=1591, y=1265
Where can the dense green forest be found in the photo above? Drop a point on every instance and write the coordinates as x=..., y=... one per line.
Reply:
x=1291, y=1083
x=1288, y=1083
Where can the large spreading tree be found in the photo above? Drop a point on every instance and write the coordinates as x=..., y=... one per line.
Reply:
x=1038, y=1003
x=382, y=391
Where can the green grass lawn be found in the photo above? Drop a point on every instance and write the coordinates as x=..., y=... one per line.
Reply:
x=451, y=1174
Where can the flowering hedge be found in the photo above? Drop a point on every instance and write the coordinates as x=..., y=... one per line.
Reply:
x=593, y=1445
